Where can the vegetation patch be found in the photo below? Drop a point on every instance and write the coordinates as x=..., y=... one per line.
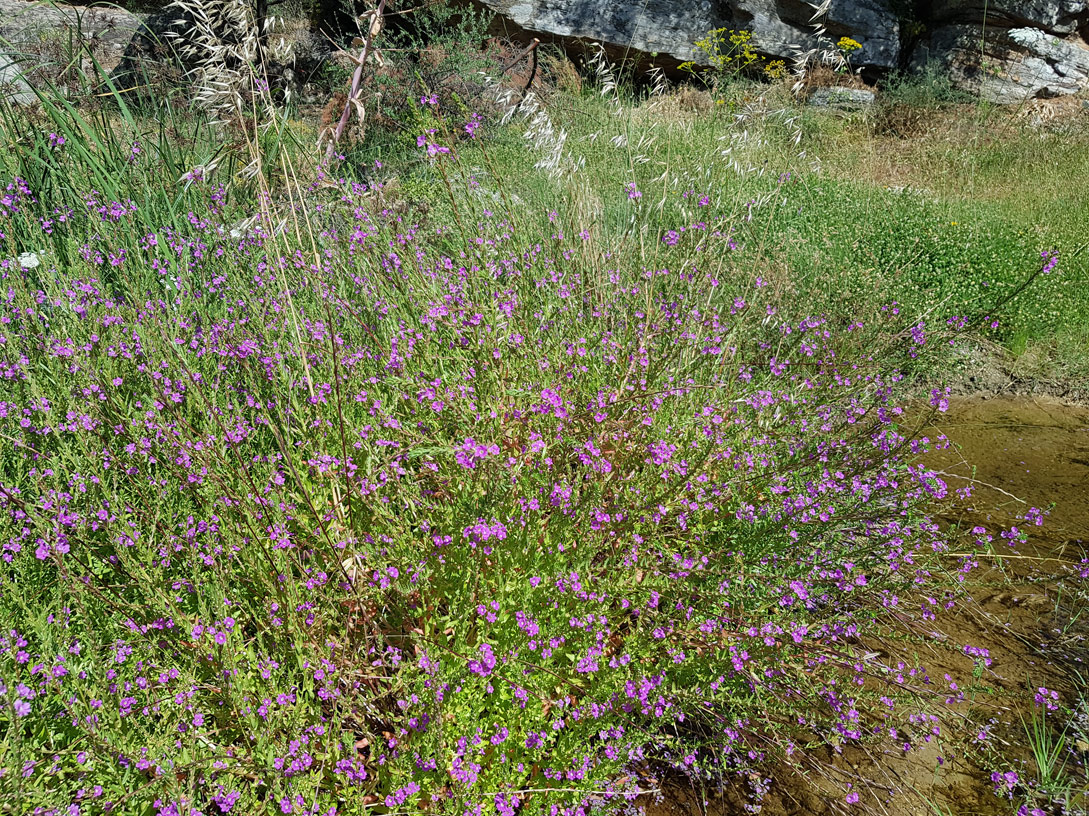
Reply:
x=535, y=455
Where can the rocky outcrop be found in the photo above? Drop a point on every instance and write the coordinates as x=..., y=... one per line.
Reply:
x=662, y=28
x=13, y=85
x=180, y=45
x=152, y=56
x=38, y=42
x=666, y=30
x=26, y=28
x=1029, y=47
x=1008, y=51
x=780, y=27
x=1004, y=50
x=1012, y=65
x=1060, y=17
x=844, y=99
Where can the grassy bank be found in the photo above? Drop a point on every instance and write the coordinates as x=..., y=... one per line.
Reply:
x=952, y=217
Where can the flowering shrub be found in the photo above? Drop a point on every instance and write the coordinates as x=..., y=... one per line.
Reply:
x=730, y=54
x=337, y=509
x=727, y=51
x=422, y=521
x=847, y=45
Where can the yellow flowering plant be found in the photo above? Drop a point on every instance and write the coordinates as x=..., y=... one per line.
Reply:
x=846, y=46
x=731, y=53
x=776, y=69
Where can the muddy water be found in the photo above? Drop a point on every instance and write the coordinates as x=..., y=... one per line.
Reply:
x=1016, y=453
x=1036, y=449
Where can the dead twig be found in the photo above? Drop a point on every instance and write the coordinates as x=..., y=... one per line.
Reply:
x=373, y=31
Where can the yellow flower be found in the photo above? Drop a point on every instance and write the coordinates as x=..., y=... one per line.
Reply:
x=776, y=69
x=727, y=50
x=847, y=45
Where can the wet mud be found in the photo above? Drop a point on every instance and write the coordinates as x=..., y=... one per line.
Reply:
x=1027, y=606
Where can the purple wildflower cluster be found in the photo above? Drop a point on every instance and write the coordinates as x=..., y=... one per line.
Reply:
x=472, y=527
x=428, y=142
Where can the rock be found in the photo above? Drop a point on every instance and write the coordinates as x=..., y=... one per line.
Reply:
x=845, y=99
x=1054, y=16
x=1055, y=67
x=1016, y=64
x=639, y=29
x=52, y=36
x=30, y=27
x=13, y=87
x=781, y=26
x=668, y=29
x=1033, y=47
x=152, y=55
x=211, y=50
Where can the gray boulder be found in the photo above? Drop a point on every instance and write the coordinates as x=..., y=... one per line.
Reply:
x=639, y=29
x=1050, y=66
x=153, y=56
x=1008, y=51
x=29, y=27
x=49, y=36
x=1054, y=16
x=13, y=86
x=1013, y=65
x=1032, y=47
x=844, y=99
x=779, y=28
x=668, y=29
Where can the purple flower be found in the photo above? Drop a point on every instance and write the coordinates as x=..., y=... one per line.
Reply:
x=401, y=794
x=424, y=141
x=471, y=452
x=486, y=664
x=226, y=801
x=1035, y=516
x=473, y=125
x=940, y=400
x=1048, y=698
x=979, y=653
